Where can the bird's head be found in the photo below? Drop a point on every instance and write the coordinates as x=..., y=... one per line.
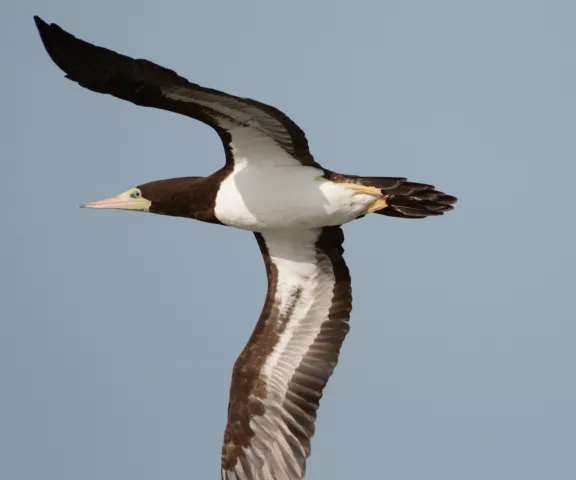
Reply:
x=175, y=197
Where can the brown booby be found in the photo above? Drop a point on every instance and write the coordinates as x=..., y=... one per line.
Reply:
x=270, y=185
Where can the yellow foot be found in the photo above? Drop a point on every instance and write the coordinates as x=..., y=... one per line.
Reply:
x=378, y=204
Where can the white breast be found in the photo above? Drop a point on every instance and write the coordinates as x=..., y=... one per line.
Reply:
x=262, y=198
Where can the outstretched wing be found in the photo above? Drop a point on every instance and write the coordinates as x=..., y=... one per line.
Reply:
x=279, y=377
x=251, y=131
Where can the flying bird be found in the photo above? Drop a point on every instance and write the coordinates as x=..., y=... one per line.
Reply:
x=271, y=185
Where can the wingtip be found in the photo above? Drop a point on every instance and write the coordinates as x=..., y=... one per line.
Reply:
x=42, y=27
x=40, y=24
x=44, y=30
x=52, y=37
x=47, y=29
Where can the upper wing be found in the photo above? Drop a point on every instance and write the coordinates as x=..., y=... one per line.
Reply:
x=279, y=377
x=250, y=131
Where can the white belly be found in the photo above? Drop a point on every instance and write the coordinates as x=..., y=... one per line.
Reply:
x=256, y=198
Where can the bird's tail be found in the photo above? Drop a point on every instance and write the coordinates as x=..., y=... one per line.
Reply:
x=401, y=198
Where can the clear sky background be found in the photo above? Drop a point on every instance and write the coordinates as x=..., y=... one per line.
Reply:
x=118, y=331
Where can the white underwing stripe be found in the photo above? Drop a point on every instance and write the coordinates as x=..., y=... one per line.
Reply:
x=304, y=322
x=256, y=136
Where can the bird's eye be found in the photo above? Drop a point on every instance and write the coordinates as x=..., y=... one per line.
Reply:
x=135, y=194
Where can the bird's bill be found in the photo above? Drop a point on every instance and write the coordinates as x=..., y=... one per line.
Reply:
x=124, y=201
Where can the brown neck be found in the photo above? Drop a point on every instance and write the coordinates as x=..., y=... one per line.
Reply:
x=189, y=197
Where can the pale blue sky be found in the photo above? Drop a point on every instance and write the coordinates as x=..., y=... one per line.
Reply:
x=118, y=332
